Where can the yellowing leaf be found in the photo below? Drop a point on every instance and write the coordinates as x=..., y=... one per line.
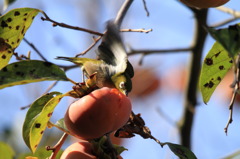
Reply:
x=13, y=26
x=216, y=64
x=30, y=71
x=6, y=152
x=37, y=118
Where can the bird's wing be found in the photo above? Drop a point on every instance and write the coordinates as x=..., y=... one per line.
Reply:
x=112, y=50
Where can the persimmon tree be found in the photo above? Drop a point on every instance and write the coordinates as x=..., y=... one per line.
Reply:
x=109, y=112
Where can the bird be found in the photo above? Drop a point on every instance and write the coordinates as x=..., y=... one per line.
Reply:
x=112, y=67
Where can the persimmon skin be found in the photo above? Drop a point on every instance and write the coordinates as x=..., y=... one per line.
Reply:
x=102, y=111
x=78, y=150
x=204, y=3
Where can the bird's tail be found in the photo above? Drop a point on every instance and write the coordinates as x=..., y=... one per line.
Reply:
x=78, y=61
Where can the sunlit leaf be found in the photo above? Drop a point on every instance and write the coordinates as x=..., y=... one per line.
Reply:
x=40, y=153
x=181, y=151
x=13, y=26
x=6, y=152
x=29, y=71
x=229, y=38
x=37, y=118
x=215, y=66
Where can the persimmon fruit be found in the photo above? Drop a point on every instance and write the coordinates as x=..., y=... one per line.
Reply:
x=102, y=111
x=78, y=150
x=204, y=3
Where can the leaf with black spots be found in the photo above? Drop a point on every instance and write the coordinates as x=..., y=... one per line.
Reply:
x=29, y=71
x=13, y=26
x=37, y=118
x=215, y=66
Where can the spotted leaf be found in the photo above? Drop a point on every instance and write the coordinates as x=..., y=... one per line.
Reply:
x=13, y=26
x=215, y=66
x=37, y=118
x=29, y=71
x=181, y=151
x=229, y=38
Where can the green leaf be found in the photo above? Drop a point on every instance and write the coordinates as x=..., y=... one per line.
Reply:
x=37, y=118
x=29, y=71
x=181, y=151
x=216, y=64
x=41, y=153
x=61, y=124
x=6, y=152
x=13, y=26
x=229, y=38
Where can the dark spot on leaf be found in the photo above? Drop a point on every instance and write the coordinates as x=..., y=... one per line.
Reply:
x=219, y=78
x=9, y=20
x=37, y=125
x=47, y=64
x=32, y=71
x=15, y=65
x=4, y=24
x=209, y=84
x=24, y=19
x=33, y=17
x=12, y=43
x=10, y=27
x=231, y=61
x=217, y=54
x=9, y=51
x=4, y=56
x=25, y=14
x=208, y=61
x=18, y=40
x=20, y=74
x=17, y=27
x=221, y=67
x=36, y=146
x=3, y=45
x=6, y=40
x=4, y=69
x=17, y=13
x=49, y=114
x=41, y=132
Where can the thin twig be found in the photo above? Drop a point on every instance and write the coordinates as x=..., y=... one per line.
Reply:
x=146, y=52
x=236, y=88
x=122, y=12
x=136, y=30
x=35, y=49
x=57, y=147
x=145, y=7
x=55, y=23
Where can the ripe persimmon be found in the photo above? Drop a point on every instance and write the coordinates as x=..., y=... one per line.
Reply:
x=204, y=3
x=102, y=111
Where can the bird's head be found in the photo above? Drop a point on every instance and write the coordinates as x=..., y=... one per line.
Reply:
x=122, y=82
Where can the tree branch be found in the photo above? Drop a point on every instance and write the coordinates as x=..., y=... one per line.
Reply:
x=185, y=125
x=122, y=12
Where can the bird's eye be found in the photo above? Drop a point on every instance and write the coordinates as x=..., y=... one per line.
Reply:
x=122, y=85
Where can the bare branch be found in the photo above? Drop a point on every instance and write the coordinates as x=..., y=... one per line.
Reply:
x=146, y=52
x=57, y=147
x=136, y=30
x=35, y=49
x=55, y=23
x=145, y=7
x=235, y=90
x=122, y=12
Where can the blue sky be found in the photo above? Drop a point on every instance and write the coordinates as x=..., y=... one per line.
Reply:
x=173, y=27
